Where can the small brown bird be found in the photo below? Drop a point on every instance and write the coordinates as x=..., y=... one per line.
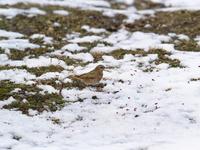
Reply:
x=91, y=78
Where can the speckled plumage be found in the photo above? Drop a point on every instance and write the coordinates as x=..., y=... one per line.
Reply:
x=91, y=78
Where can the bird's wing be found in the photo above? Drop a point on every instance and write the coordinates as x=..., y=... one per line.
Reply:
x=90, y=75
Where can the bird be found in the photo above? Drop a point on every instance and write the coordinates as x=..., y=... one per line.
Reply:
x=91, y=78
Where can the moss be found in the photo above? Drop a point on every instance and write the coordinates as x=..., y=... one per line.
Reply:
x=1, y=51
x=7, y=86
x=29, y=97
x=17, y=54
x=179, y=22
x=38, y=71
x=39, y=41
x=72, y=23
x=38, y=102
x=7, y=67
x=70, y=61
x=32, y=53
x=59, y=85
x=52, y=82
x=94, y=44
x=119, y=54
x=187, y=45
x=163, y=57
x=44, y=24
x=147, y=4
x=117, y=5
x=97, y=56
x=3, y=38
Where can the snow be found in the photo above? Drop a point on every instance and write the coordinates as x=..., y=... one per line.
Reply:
x=198, y=39
x=69, y=3
x=61, y=12
x=135, y=110
x=84, y=39
x=93, y=30
x=47, y=88
x=46, y=39
x=85, y=57
x=43, y=61
x=16, y=75
x=12, y=12
x=73, y=47
x=8, y=101
x=179, y=3
x=10, y=35
x=128, y=2
x=18, y=44
x=130, y=41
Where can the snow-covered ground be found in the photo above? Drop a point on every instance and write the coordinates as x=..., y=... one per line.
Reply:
x=136, y=110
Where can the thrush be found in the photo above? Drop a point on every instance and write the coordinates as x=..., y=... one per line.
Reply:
x=91, y=78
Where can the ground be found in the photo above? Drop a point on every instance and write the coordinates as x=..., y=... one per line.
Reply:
x=150, y=97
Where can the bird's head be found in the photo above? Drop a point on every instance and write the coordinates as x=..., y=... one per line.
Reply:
x=100, y=67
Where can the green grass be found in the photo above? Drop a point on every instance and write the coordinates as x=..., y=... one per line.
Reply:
x=187, y=45
x=163, y=57
x=29, y=97
x=7, y=86
x=32, y=53
x=147, y=4
x=39, y=102
x=1, y=51
x=179, y=22
x=72, y=23
x=38, y=71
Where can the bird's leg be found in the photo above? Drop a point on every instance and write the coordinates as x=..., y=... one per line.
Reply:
x=99, y=86
x=61, y=88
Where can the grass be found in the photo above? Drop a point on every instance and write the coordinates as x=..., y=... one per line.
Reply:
x=1, y=51
x=163, y=56
x=147, y=4
x=187, y=45
x=69, y=61
x=119, y=54
x=72, y=23
x=39, y=41
x=39, y=102
x=29, y=97
x=59, y=85
x=179, y=22
x=7, y=86
x=38, y=71
x=32, y=53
